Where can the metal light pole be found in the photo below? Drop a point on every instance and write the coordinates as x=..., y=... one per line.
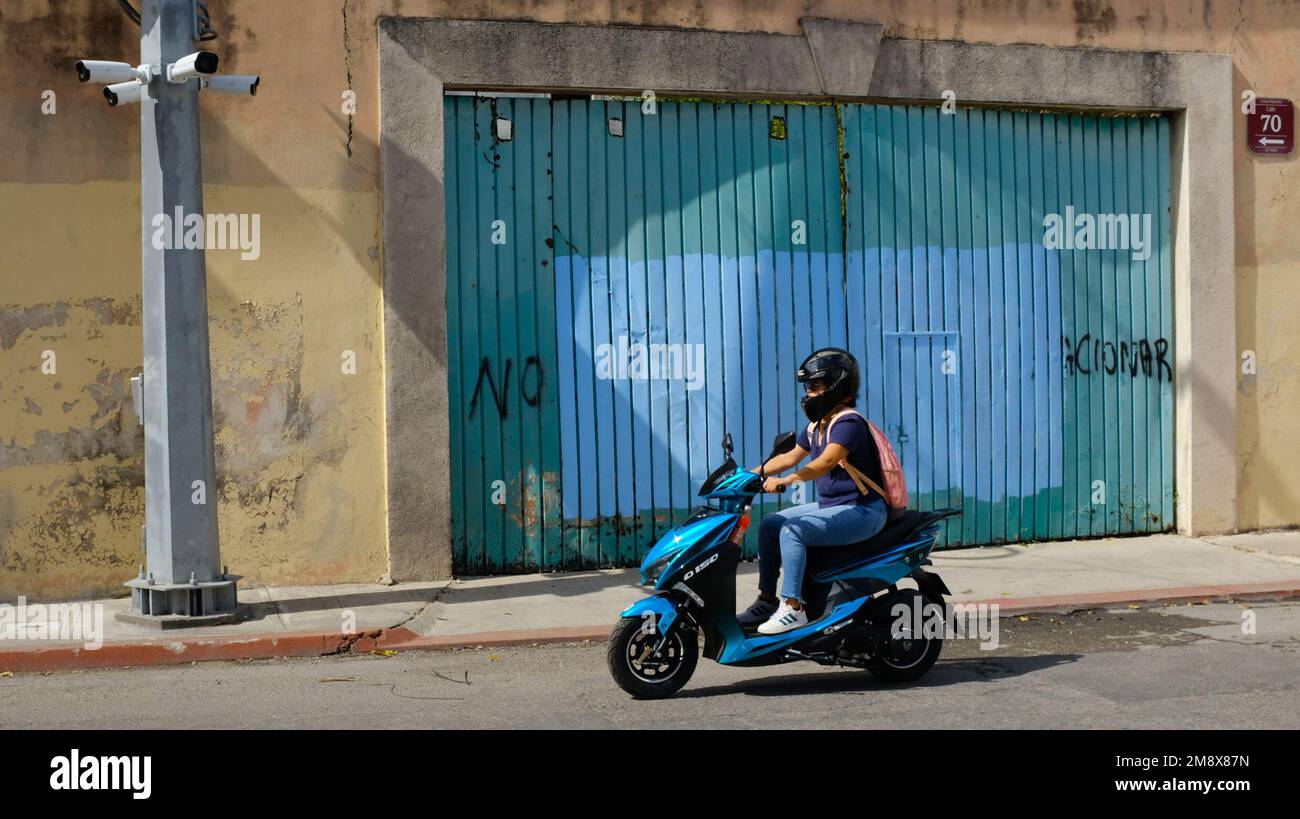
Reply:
x=183, y=582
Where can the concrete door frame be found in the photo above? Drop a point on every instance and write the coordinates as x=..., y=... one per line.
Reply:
x=420, y=58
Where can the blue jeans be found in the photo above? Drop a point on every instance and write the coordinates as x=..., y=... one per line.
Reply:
x=785, y=536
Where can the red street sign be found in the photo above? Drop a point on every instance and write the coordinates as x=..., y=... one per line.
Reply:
x=1271, y=129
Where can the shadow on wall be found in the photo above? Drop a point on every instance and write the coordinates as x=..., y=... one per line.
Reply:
x=292, y=446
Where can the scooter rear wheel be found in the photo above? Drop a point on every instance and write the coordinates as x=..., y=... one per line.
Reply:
x=910, y=656
x=644, y=676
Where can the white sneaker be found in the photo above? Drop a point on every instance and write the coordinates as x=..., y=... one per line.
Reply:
x=784, y=620
x=758, y=612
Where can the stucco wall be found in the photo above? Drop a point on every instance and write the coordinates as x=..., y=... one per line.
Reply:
x=300, y=444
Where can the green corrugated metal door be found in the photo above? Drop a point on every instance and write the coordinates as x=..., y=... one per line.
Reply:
x=1011, y=276
x=624, y=286
x=505, y=458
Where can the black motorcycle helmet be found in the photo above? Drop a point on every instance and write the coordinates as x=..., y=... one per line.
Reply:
x=839, y=369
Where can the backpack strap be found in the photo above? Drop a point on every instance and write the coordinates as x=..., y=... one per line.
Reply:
x=860, y=478
x=837, y=416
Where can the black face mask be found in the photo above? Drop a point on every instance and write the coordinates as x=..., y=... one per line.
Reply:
x=816, y=406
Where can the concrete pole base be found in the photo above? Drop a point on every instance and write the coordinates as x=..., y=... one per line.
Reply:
x=181, y=605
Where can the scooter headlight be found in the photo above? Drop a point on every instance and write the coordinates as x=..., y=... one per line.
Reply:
x=650, y=574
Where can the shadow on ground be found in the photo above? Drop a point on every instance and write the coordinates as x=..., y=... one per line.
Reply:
x=848, y=680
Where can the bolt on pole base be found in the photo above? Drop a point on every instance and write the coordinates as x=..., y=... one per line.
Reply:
x=183, y=605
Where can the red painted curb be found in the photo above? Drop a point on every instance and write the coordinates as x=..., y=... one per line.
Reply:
x=319, y=644
x=173, y=652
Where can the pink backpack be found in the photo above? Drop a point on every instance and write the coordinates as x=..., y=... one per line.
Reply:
x=891, y=469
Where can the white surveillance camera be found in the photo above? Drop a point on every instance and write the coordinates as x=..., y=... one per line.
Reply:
x=191, y=66
x=104, y=71
x=232, y=84
x=123, y=93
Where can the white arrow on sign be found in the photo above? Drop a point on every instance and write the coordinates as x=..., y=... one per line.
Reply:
x=1267, y=141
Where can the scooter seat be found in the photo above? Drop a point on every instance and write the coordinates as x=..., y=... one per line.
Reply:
x=896, y=531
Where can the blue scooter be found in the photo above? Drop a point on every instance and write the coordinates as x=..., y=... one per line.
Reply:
x=850, y=594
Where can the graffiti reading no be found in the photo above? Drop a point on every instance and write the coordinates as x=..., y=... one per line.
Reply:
x=530, y=385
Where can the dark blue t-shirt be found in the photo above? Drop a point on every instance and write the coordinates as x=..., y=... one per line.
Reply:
x=836, y=488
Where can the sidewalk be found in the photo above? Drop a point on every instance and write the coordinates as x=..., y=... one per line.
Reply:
x=529, y=609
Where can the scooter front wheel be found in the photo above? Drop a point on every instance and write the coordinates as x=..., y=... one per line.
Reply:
x=643, y=675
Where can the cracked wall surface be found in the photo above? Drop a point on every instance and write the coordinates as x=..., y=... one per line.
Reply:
x=298, y=442
x=300, y=445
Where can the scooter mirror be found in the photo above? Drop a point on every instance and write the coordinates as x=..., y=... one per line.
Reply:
x=726, y=444
x=783, y=443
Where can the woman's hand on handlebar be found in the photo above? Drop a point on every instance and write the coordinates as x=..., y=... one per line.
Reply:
x=775, y=484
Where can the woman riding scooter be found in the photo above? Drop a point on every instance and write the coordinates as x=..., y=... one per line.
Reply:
x=851, y=592
x=849, y=506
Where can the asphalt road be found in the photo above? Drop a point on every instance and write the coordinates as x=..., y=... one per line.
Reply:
x=1159, y=667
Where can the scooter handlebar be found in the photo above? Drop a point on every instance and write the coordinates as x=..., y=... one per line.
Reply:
x=780, y=491
x=762, y=478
